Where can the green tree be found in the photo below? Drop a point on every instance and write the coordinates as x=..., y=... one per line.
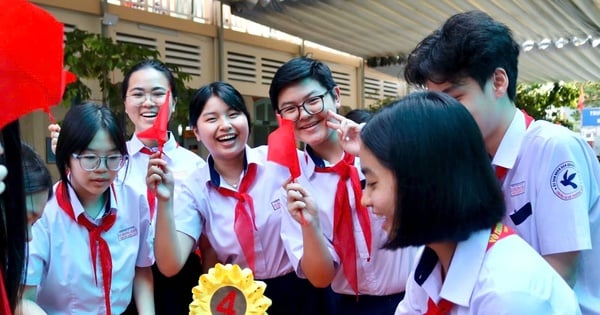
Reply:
x=93, y=56
x=591, y=91
x=537, y=98
x=375, y=107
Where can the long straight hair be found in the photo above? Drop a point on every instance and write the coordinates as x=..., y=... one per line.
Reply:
x=13, y=219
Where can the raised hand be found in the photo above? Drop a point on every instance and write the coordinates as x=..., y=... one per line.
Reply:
x=301, y=205
x=159, y=178
x=348, y=131
x=54, y=132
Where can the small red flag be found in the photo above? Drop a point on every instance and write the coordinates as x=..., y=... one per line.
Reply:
x=158, y=131
x=581, y=101
x=32, y=77
x=282, y=147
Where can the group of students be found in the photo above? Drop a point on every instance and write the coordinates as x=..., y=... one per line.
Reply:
x=452, y=202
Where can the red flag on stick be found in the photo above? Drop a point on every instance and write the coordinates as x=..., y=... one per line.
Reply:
x=32, y=78
x=581, y=101
x=282, y=147
x=158, y=131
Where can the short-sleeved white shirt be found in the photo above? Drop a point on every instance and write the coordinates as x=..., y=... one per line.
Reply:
x=181, y=163
x=551, y=192
x=199, y=208
x=385, y=273
x=510, y=278
x=60, y=264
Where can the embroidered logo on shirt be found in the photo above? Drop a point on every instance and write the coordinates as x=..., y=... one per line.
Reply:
x=517, y=189
x=127, y=233
x=565, y=181
x=276, y=205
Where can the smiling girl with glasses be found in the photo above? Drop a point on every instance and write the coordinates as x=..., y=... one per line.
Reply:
x=92, y=244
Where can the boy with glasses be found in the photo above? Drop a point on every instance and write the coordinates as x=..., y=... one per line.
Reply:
x=339, y=244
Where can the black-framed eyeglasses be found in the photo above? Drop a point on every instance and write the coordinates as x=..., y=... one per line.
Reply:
x=91, y=162
x=312, y=105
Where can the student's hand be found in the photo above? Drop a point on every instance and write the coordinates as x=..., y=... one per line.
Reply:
x=159, y=178
x=3, y=172
x=54, y=131
x=348, y=131
x=301, y=205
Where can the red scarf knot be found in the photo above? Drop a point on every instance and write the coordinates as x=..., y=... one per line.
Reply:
x=343, y=228
x=98, y=245
x=244, y=221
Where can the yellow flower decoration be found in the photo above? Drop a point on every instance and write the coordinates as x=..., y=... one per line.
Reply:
x=229, y=290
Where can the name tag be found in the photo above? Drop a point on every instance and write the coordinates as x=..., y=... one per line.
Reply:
x=127, y=233
x=517, y=189
x=276, y=205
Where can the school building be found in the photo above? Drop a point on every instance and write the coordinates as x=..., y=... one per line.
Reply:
x=188, y=33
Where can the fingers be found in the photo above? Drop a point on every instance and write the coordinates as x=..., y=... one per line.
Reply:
x=53, y=128
x=54, y=132
x=3, y=173
x=335, y=116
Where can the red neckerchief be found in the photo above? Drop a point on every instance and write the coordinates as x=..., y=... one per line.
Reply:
x=343, y=229
x=244, y=224
x=499, y=232
x=500, y=170
x=3, y=296
x=95, y=237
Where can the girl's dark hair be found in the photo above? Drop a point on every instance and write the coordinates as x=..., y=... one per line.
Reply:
x=446, y=188
x=222, y=90
x=36, y=176
x=79, y=127
x=13, y=217
x=156, y=65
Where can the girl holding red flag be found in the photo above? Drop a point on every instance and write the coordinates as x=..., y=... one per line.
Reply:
x=92, y=245
x=235, y=200
x=145, y=90
x=340, y=244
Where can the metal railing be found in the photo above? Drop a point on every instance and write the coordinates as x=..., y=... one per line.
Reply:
x=185, y=9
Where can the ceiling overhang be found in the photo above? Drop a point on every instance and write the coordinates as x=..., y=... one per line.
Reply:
x=385, y=29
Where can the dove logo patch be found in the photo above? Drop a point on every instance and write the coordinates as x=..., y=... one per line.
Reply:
x=565, y=182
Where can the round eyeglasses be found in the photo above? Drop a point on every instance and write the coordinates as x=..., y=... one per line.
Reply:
x=312, y=105
x=91, y=162
x=139, y=97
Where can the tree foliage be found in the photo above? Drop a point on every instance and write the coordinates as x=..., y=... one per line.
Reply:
x=93, y=56
x=536, y=99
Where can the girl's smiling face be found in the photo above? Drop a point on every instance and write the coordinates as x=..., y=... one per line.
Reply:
x=380, y=191
x=222, y=129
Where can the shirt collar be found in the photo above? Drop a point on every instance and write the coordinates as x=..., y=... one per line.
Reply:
x=215, y=178
x=509, y=147
x=135, y=145
x=78, y=207
x=462, y=274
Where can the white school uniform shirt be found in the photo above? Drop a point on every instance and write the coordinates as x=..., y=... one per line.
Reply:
x=385, y=273
x=181, y=163
x=509, y=278
x=199, y=208
x=551, y=192
x=59, y=261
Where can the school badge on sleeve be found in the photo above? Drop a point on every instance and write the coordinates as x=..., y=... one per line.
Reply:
x=229, y=290
x=566, y=181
